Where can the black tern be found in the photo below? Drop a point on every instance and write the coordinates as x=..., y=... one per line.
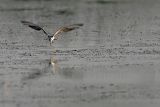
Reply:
x=55, y=35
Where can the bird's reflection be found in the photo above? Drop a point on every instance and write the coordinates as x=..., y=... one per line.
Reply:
x=7, y=90
x=54, y=67
x=51, y=67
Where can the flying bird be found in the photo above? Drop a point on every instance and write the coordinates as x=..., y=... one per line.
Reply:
x=55, y=35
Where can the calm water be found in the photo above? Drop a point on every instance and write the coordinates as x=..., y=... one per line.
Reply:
x=113, y=60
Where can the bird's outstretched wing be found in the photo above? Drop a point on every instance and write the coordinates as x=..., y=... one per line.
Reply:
x=65, y=29
x=34, y=26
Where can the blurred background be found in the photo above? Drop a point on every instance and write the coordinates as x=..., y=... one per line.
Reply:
x=113, y=60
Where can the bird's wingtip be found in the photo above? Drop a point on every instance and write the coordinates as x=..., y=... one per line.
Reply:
x=24, y=22
x=81, y=24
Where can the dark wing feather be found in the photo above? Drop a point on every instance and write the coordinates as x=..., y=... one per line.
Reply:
x=34, y=26
x=79, y=24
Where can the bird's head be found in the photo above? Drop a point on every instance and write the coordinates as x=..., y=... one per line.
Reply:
x=52, y=39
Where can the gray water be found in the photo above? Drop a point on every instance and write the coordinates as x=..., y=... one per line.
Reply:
x=112, y=61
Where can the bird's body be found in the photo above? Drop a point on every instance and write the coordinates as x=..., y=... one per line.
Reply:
x=54, y=36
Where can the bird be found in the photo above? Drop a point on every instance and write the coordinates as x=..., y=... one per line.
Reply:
x=55, y=35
